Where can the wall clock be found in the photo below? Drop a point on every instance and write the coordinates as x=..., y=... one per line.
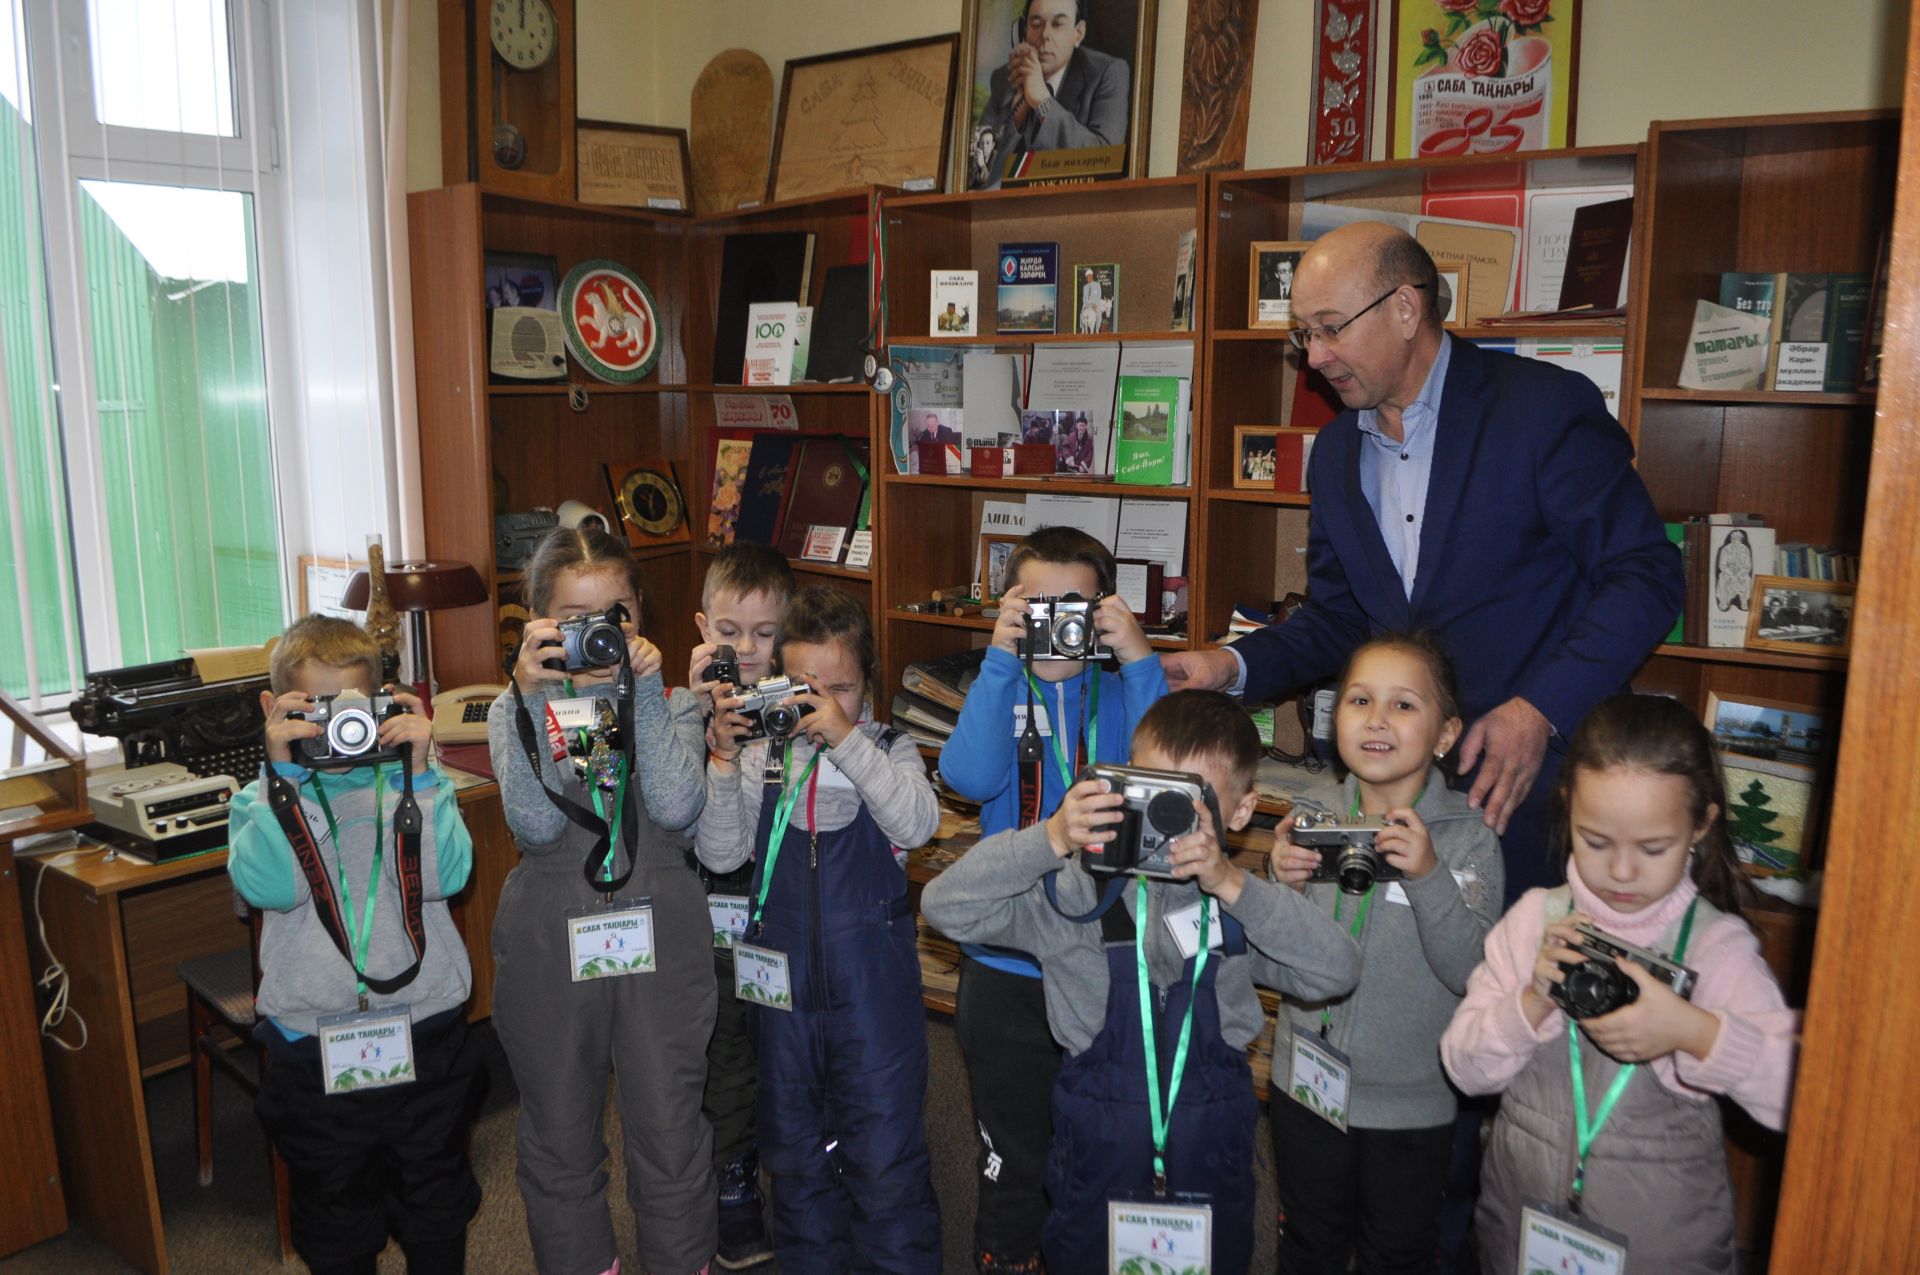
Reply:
x=649, y=501
x=513, y=119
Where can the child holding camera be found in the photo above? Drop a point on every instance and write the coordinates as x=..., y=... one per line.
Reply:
x=743, y=603
x=1361, y=1157
x=350, y=846
x=1138, y=1143
x=602, y=941
x=823, y=800
x=1018, y=762
x=1618, y=1158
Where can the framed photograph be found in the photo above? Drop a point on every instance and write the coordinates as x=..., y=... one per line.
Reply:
x=632, y=166
x=1773, y=756
x=1253, y=457
x=1011, y=130
x=867, y=117
x=994, y=552
x=1453, y=293
x=522, y=279
x=1270, y=268
x=1800, y=617
x=1096, y=298
x=1767, y=730
x=1481, y=77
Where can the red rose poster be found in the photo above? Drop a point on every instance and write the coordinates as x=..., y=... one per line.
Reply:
x=1477, y=77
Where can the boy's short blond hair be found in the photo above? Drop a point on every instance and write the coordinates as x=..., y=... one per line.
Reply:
x=322, y=639
x=744, y=569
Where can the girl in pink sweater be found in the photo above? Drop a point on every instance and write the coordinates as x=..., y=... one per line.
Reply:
x=1649, y=862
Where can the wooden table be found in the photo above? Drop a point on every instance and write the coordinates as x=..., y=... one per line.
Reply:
x=121, y=925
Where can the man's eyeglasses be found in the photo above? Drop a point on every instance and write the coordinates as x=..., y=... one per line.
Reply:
x=1329, y=332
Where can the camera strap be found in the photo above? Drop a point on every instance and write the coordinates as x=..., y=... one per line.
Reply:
x=598, y=865
x=352, y=934
x=1031, y=751
x=782, y=816
x=1584, y=1131
x=1161, y=1113
x=1109, y=895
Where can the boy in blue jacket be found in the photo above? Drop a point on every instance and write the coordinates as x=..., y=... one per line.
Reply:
x=370, y=1084
x=1081, y=713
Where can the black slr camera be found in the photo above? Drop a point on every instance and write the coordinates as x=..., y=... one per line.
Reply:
x=592, y=641
x=1596, y=985
x=352, y=725
x=1347, y=850
x=1159, y=807
x=724, y=668
x=1062, y=629
x=770, y=707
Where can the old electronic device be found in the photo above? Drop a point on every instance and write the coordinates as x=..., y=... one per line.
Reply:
x=351, y=730
x=724, y=667
x=164, y=713
x=1596, y=985
x=1157, y=809
x=528, y=344
x=592, y=641
x=517, y=535
x=162, y=811
x=1062, y=629
x=770, y=708
x=460, y=715
x=1347, y=850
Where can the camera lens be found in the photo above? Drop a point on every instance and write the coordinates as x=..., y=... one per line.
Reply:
x=351, y=732
x=1356, y=869
x=602, y=646
x=1070, y=635
x=780, y=720
x=1593, y=988
x=1170, y=813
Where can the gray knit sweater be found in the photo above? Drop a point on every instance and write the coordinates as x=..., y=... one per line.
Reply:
x=993, y=895
x=1420, y=942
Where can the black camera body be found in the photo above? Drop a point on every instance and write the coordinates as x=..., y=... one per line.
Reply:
x=769, y=706
x=351, y=723
x=1158, y=808
x=1596, y=984
x=725, y=667
x=1348, y=850
x=1062, y=629
x=594, y=641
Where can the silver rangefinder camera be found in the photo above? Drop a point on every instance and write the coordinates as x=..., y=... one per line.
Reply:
x=1347, y=851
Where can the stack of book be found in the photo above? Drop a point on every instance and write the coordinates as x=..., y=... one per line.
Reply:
x=1816, y=326
x=927, y=706
x=1803, y=561
x=779, y=488
x=1722, y=555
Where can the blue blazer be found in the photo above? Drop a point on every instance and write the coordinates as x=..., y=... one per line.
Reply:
x=1544, y=570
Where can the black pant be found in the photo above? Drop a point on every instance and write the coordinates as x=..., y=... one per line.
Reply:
x=1000, y=1020
x=1371, y=1192
x=383, y=1162
x=733, y=1072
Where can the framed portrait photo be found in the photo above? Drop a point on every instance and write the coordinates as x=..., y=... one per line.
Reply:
x=1270, y=269
x=1046, y=96
x=632, y=166
x=1483, y=77
x=1800, y=617
x=867, y=117
x=1253, y=457
x=994, y=552
x=1773, y=756
x=1453, y=293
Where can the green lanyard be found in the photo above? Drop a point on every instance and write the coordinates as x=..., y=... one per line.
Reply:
x=1090, y=705
x=1162, y=1115
x=613, y=826
x=782, y=816
x=361, y=929
x=1585, y=1132
x=1359, y=924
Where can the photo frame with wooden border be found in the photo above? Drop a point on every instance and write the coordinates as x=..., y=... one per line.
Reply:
x=1270, y=269
x=632, y=166
x=1119, y=29
x=1821, y=630
x=1454, y=276
x=1776, y=774
x=1252, y=472
x=878, y=116
x=994, y=552
x=1532, y=70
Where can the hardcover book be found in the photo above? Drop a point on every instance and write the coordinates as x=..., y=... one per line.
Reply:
x=771, y=341
x=1029, y=278
x=1144, y=451
x=763, y=491
x=1848, y=300
x=1597, y=256
x=956, y=303
x=730, y=456
x=1183, y=276
x=1727, y=349
x=774, y=266
x=827, y=489
x=1096, y=298
x=840, y=326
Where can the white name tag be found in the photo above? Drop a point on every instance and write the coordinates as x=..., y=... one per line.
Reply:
x=1550, y=1242
x=760, y=976
x=365, y=1051
x=1040, y=720
x=1321, y=1075
x=1174, y=1234
x=573, y=714
x=1184, y=925
x=1394, y=894
x=607, y=944
x=729, y=913
x=831, y=776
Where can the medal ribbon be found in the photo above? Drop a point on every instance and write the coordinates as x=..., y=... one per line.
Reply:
x=782, y=816
x=1162, y=1115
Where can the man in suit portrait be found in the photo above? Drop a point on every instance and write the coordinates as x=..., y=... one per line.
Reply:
x=1054, y=93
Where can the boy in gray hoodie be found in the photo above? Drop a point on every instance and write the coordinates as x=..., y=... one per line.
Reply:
x=1115, y=1135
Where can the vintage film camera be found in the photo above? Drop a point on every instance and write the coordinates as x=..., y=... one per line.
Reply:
x=1062, y=629
x=1347, y=850
x=770, y=708
x=592, y=641
x=725, y=667
x=1596, y=985
x=352, y=735
x=1159, y=808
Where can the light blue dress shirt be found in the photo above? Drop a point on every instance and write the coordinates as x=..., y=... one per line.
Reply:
x=1394, y=475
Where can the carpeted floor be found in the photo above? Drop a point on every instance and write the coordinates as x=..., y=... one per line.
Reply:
x=228, y=1226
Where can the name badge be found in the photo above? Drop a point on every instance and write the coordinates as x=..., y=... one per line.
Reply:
x=1041, y=722
x=760, y=976
x=1550, y=1241
x=729, y=913
x=1153, y=1233
x=608, y=944
x=365, y=1051
x=1395, y=894
x=1184, y=925
x=831, y=776
x=1321, y=1076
